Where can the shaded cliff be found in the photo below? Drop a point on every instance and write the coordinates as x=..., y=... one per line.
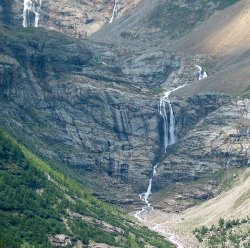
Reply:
x=67, y=101
x=210, y=150
x=82, y=106
x=91, y=107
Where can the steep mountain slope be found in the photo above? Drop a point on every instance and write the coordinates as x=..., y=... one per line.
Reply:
x=225, y=36
x=77, y=18
x=41, y=207
x=216, y=30
x=224, y=33
x=160, y=22
x=94, y=107
x=98, y=122
x=217, y=143
x=91, y=107
x=82, y=113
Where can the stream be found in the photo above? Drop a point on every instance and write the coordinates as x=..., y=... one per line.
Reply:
x=169, y=138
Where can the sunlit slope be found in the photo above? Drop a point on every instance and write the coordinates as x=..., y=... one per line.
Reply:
x=232, y=204
x=224, y=33
x=221, y=220
x=233, y=80
x=225, y=37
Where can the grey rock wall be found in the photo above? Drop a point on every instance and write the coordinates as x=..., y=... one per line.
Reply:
x=87, y=108
x=220, y=141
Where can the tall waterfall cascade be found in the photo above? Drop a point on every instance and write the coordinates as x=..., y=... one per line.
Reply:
x=169, y=134
x=114, y=11
x=168, y=126
x=31, y=6
x=144, y=196
x=169, y=138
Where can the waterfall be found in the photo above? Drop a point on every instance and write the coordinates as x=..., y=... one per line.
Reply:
x=201, y=74
x=144, y=196
x=34, y=7
x=154, y=169
x=162, y=112
x=168, y=127
x=170, y=138
x=114, y=11
x=169, y=134
x=229, y=154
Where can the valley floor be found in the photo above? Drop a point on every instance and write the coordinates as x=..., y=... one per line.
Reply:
x=167, y=225
x=230, y=206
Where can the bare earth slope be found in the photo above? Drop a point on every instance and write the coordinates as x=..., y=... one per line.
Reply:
x=224, y=33
x=225, y=36
x=232, y=204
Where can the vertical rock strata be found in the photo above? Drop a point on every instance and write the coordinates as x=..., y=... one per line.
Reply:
x=221, y=140
x=93, y=108
x=64, y=103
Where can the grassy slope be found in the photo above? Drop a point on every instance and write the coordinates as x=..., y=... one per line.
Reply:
x=232, y=206
x=34, y=198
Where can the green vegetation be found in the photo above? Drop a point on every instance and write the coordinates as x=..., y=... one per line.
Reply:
x=37, y=203
x=229, y=233
x=246, y=93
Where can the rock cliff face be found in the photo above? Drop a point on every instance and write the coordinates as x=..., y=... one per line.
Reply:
x=217, y=143
x=78, y=18
x=68, y=102
x=73, y=106
x=91, y=107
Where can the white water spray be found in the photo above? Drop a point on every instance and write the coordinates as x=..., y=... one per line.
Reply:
x=202, y=74
x=229, y=154
x=172, y=137
x=162, y=112
x=114, y=11
x=168, y=127
x=31, y=6
x=144, y=196
x=169, y=139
